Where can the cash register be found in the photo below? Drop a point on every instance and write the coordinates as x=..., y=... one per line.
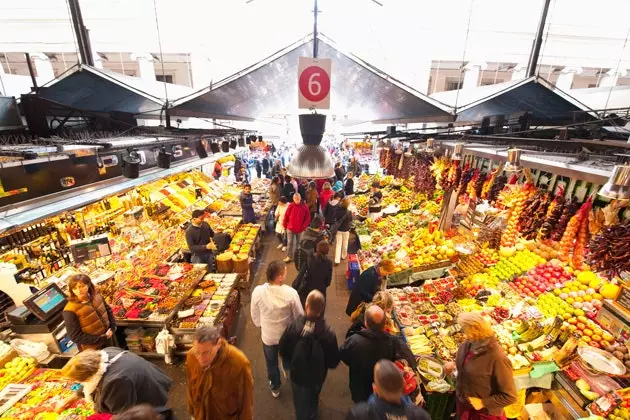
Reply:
x=39, y=319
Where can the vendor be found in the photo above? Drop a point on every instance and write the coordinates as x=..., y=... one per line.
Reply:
x=89, y=320
x=115, y=380
x=374, y=205
x=368, y=283
x=247, y=204
x=199, y=239
x=485, y=381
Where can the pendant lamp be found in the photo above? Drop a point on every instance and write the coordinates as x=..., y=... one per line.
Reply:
x=513, y=161
x=618, y=185
x=430, y=146
x=312, y=161
x=458, y=151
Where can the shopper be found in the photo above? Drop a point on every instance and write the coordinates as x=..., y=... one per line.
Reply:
x=266, y=166
x=348, y=188
x=343, y=222
x=383, y=299
x=308, y=241
x=274, y=191
x=374, y=204
x=316, y=273
x=340, y=173
x=320, y=184
x=89, y=319
x=247, y=204
x=259, y=168
x=330, y=212
x=199, y=239
x=388, y=400
x=138, y=412
x=301, y=189
x=485, y=379
x=325, y=196
x=281, y=209
x=289, y=189
x=220, y=383
x=311, y=346
x=296, y=220
x=244, y=177
x=116, y=380
x=274, y=306
x=276, y=170
x=368, y=283
x=362, y=350
x=338, y=186
x=312, y=199
x=238, y=164
x=355, y=167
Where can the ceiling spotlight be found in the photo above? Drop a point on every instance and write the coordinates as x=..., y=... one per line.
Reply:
x=312, y=160
x=513, y=161
x=131, y=165
x=618, y=185
x=430, y=146
x=458, y=152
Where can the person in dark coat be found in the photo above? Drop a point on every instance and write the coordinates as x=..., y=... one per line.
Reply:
x=330, y=211
x=388, y=400
x=89, y=319
x=362, y=350
x=367, y=284
x=301, y=189
x=266, y=166
x=199, y=239
x=319, y=269
x=238, y=164
x=348, y=188
x=340, y=173
x=116, y=380
x=308, y=242
x=288, y=189
x=258, y=166
x=341, y=230
x=311, y=346
x=247, y=204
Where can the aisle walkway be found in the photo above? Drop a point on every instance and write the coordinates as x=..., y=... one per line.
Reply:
x=335, y=396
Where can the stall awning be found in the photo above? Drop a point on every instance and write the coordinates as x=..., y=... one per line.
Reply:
x=546, y=103
x=96, y=90
x=359, y=91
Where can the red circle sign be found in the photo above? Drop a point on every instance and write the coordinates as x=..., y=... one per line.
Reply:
x=314, y=83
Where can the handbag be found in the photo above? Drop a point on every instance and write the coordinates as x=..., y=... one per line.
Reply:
x=299, y=284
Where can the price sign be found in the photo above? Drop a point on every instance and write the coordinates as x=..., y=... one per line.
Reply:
x=314, y=83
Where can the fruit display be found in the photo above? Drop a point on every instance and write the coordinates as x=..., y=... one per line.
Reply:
x=17, y=370
x=203, y=303
x=514, y=200
x=609, y=250
x=244, y=239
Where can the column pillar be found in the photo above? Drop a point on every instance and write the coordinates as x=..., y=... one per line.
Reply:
x=201, y=69
x=145, y=65
x=471, y=74
x=43, y=67
x=565, y=79
x=611, y=77
x=519, y=72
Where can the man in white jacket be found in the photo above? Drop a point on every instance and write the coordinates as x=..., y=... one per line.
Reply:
x=274, y=307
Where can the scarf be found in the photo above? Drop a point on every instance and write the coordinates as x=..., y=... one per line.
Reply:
x=91, y=384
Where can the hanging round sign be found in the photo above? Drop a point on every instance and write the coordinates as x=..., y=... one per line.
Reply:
x=314, y=83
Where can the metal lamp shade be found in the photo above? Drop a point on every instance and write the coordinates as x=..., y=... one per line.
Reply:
x=311, y=160
x=430, y=148
x=618, y=185
x=458, y=152
x=513, y=161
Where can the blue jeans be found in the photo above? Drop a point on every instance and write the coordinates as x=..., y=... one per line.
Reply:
x=273, y=369
x=306, y=401
x=293, y=239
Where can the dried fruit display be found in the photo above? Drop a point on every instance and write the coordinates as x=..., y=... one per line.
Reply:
x=554, y=211
x=582, y=238
x=467, y=176
x=420, y=167
x=514, y=199
x=536, y=212
x=609, y=250
x=560, y=226
x=571, y=231
x=496, y=188
x=481, y=179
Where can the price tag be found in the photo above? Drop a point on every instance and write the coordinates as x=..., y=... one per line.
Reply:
x=314, y=83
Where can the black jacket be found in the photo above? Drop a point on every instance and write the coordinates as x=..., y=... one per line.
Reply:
x=330, y=213
x=319, y=276
x=349, y=187
x=343, y=219
x=130, y=381
x=198, y=237
x=364, y=289
x=340, y=173
x=361, y=352
x=378, y=409
x=265, y=165
x=306, y=248
x=326, y=338
x=288, y=190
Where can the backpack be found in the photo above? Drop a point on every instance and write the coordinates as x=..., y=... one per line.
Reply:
x=308, y=365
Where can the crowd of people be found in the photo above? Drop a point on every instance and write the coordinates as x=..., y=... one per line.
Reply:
x=312, y=219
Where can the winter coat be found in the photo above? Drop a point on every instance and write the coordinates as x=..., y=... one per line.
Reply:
x=280, y=212
x=273, y=308
x=274, y=194
x=265, y=166
x=355, y=168
x=377, y=409
x=311, y=200
x=88, y=322
x=130, y=381
x=306, y=248
x=364, y=289
x=324, y=335
x=340, y=173
x=301, y=189
x=348, y=189
x=361, y=352
x=288, y=190
x=343, y=219
x=319, y=277
x=297, y=218
x=486, y=375
x=324, y=197
x=330, y=212
x=247, y=205
x=224, y=390
x=338, y=186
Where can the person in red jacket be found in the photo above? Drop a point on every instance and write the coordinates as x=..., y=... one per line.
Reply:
x=296, y=220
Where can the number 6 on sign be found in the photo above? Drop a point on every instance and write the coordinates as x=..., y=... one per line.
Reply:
x=314, y=83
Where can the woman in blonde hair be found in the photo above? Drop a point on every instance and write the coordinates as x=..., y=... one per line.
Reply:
x=368, y=283
x=485, y=382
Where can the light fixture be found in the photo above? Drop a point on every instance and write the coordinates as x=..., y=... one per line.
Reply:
x=201, y=149
x=311, y=161
x=458, y=151
x=131, y=165
x=225, y=146
x=164, y=158
x=241, y=141
x=513, y=161
x=618, y=185
x=430, y=146
x=407, y=148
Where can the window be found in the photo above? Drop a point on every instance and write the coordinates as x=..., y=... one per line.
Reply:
x=168, y=78
x=453, y=83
